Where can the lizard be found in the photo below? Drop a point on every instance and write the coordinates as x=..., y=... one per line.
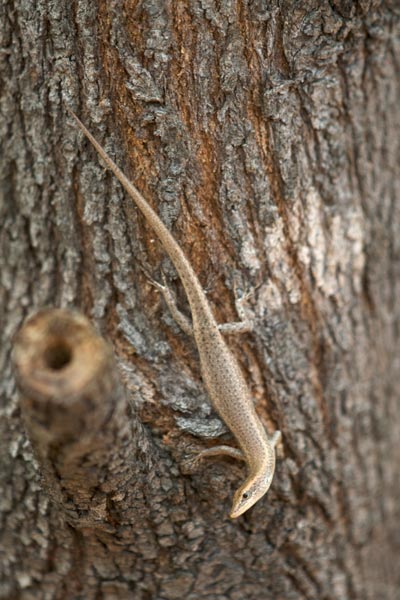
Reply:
x=227, y=388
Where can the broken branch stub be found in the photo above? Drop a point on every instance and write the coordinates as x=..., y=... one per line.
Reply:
x=75, y=414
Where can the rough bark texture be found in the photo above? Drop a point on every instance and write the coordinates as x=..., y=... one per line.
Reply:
x=266, y=135
x=75, y=414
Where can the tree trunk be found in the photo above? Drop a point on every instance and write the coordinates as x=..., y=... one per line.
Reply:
x=267, y=138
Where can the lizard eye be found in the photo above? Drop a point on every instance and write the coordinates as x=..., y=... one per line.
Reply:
x=245, y=496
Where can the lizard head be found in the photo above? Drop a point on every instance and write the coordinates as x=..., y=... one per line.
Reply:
x=249, y=493
x=258, y=483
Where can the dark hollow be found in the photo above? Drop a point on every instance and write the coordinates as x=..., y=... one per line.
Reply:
x=58, y=355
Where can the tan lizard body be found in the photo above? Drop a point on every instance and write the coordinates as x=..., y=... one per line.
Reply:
x=220, y=370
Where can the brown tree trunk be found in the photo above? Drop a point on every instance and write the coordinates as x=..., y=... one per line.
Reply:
x=267, y=137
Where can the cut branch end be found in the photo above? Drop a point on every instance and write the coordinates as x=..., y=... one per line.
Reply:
x=75, y=412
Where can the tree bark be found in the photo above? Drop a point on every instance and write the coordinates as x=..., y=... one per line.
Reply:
x=266, y=136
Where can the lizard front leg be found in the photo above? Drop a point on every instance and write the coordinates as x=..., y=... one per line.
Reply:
x=217, y=450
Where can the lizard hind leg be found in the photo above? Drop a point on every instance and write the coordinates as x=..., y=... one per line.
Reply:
x=236, y=327
x=245, y=325
x=170, y=300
